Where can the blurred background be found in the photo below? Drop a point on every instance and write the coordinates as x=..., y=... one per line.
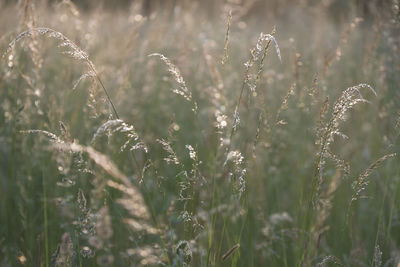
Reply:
x=337, y=8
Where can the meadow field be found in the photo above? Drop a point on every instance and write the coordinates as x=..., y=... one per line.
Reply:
x=200, y=133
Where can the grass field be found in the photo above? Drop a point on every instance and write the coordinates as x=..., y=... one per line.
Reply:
x=259, y=134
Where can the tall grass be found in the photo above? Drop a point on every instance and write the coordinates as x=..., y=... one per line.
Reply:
x=184, y=139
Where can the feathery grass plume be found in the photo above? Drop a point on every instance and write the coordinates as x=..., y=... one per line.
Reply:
x=106, y=128
x=241, y=182
x=95, y=110
x=377, y=256
x=172, y=158
x=72, y=50
x=284, y=105
x=362, y=181
x=184, y=252
x=86, y=226
x=64, y=256
x=189, y=181
x=259, y=50
x=216, y=94
x=53, y=138
x=221, y=120
x=350, y=97
x=69, y=165
x=327, y=259
x=235, y=157
x=101, y=160
x=228, y=25
x=82, y=77
x=234, y=162
x=340, y=163
x=254, y=79
x=248, y=80
x=141, y=220
x=182, y=89
x=146, y=167
x=236, y=120
x=112, y=127
x=190, y=185
x=255, y=53
x=230, y=251
x=133, y=200
x=321, y=117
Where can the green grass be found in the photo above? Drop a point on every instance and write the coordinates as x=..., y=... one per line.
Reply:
x=176, y=159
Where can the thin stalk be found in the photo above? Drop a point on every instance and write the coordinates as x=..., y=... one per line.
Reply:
x=46, y=237
x=104, y=89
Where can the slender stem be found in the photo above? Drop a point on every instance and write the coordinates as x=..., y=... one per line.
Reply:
x=46, y=238
x=105, y=90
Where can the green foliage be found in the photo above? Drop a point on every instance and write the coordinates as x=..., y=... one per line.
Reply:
x=161, y=141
